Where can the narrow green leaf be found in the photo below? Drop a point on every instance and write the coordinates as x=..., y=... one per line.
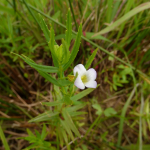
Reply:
x=44, y=28
x=64, y=136
x=68, y=34
x=30, y=133
x=109, y=10
x=115, y=9
x=30, y=11
x=51, y=44
x=44, y=133
x=4, y=141
x=89, y=35
x=64, y=82
x=66, y=53
x=52, y=40
x=37, y=134
x=136, y=147
x=67, y=128
x=75, y=49
x=75, y=108
x=124, y=18
x=70, y=122
x=52, y=103
x=122, y=117
x=44, y=117
x=82, y=94
x=60, y=136
x=67, y=100
x=90, y=60
x=48, y=69
x=79, y=113
x=49, y=78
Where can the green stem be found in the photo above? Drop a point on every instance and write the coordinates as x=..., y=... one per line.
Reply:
x=61, y=76
x=92, y=125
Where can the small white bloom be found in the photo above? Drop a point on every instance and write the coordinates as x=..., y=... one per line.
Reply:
x=85, y=77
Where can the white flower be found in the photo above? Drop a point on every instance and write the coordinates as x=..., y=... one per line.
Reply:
x=85, y=77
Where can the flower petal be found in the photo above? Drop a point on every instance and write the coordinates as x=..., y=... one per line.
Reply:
x=80, y=69
x=91, y=84
x=92, y=74
x=78, y=83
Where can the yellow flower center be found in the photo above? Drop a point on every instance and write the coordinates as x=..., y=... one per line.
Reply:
x=84, y=78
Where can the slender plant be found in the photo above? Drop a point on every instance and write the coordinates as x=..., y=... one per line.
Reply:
x=65, y=108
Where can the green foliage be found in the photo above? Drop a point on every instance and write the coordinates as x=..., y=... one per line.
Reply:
x=109, y=112
x=45, y=116
x=124, y=18
x=62, y=53
x=65, y=106
x=98, y=108
x=121, y=76
x=38, y=140
x=123, y=31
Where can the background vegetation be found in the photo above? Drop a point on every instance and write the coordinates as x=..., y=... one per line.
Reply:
x=118, y=114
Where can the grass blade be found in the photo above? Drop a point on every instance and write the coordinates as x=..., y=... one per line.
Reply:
x=68, y=34
x=73, y=14
x=109, y=10
x=130, y=14
x=90, y=60
x=70, y=122
x=82, y=94
x=31, y=12
x=44, y=117
x=122, y=117
x=75, y=49
x=44, y=28
x=4, y=139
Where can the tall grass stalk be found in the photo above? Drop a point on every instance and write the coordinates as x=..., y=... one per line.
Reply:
x=122, y=117
x=140, y=122
x=4, y=141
